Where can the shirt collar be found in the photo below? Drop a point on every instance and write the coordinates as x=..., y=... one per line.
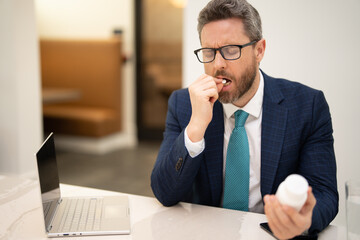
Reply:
x=253, y=107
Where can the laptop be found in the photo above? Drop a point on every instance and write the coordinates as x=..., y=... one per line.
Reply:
x=81, y=215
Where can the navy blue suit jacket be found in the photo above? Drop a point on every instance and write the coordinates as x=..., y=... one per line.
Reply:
x=296, y=138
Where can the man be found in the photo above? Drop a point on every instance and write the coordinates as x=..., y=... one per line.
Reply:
x=287, y=129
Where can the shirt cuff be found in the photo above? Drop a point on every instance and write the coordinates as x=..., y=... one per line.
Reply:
x=193, y=148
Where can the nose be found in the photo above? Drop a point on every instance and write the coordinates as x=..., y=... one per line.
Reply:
x=219, y=61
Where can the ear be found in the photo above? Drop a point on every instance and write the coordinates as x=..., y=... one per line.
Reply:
x=260, y=50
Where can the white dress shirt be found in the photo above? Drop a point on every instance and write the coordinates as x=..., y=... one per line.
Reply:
x=253, y=131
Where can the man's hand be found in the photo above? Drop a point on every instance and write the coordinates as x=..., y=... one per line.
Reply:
x=285, y=222
x=203, y=94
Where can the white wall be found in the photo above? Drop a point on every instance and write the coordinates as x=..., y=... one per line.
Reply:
x=315, y=43
x=96, y=19
x=20, y=112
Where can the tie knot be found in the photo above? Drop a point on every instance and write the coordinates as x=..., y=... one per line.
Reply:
x=240, y=118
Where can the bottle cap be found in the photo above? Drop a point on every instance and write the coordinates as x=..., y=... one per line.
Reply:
x=296, y=186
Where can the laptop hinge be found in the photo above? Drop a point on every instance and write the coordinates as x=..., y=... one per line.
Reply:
x=53, y=216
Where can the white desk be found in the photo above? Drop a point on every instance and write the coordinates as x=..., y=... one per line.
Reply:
x=21, y=217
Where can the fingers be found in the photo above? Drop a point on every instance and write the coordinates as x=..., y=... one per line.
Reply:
x=219, y=84
x=204, y=91
x=303, y=218
x=285, y=221
x=310, y=202
x=279, y=222
x=205, y=82
x=300, y=223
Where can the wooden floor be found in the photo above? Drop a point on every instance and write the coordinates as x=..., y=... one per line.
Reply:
x=125, y=170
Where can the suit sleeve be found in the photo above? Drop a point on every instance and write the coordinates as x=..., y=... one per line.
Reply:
x=174, y=170
x=319, y=167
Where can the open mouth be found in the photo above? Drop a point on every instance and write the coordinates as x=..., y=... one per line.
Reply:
x=226, y=81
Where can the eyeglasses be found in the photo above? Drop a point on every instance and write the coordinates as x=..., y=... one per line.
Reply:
x=228, y=52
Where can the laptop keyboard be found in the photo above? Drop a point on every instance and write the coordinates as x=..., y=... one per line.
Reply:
x=46, y=207
x=81, y=215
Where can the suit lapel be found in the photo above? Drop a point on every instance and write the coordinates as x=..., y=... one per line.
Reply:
x=214, y=140
x=272, y=135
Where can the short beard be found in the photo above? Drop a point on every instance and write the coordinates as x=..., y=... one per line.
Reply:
x=242, y=85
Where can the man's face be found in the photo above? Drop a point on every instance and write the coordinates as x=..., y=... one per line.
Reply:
x=240, y=73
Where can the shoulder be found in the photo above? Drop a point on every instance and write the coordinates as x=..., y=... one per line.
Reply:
x=289, y=91
x=179, y=105
x=180, y=94
x=179, y=98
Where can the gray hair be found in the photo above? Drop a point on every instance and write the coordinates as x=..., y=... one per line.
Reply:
x=224, y=9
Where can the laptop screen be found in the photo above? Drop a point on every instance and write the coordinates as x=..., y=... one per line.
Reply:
x=48, y=171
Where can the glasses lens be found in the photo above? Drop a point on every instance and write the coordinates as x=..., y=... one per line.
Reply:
x=231, y=52
x=206, y=55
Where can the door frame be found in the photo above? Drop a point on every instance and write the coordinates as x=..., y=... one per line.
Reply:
x=144, y=133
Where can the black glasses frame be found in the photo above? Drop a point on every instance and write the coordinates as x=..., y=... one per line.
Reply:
x=220, y=50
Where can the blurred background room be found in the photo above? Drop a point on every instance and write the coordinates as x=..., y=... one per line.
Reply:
x=99, y=73
x=123, y=59
x=105, y=72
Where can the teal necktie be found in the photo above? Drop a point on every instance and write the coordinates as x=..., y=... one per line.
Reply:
x=236, y=190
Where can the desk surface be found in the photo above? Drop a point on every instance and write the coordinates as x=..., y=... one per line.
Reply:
x=21, y=217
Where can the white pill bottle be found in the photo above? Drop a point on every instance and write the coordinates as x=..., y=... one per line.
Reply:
x=293, y=191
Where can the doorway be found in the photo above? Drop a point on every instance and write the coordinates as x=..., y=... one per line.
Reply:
x=159, y=62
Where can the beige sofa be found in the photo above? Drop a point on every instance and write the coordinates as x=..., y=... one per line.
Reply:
x=92, y=67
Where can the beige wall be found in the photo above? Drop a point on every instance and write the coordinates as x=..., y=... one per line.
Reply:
x=20, y=112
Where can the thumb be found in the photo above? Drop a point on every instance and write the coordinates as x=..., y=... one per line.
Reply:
x=219, y=84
